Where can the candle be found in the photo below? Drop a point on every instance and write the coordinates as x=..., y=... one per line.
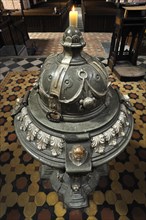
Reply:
x=73, y=18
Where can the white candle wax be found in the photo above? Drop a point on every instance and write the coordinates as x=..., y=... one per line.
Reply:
x=73, y=18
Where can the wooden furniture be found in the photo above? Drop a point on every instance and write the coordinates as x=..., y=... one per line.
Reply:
x=127, y=36
x=98, y=15
x=13, y=33
x=45, y=18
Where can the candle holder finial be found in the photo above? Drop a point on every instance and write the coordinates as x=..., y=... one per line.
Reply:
x=72, y=37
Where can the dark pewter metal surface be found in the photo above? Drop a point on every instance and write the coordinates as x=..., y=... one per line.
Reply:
x=73, y=121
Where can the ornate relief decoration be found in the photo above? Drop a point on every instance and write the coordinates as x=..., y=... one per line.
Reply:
x=99, y=142
x=56, y=144
x=112, y=135
x=85, y=82
x=78, y=155
x=42, y=139
x=31, y=132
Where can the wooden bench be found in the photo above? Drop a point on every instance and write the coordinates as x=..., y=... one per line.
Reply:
x=44, y=19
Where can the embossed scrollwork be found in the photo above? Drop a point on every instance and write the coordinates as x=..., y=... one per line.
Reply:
x=112, y=135
x=31, y=132
x=56, y=145
x=22, y=114
x=41, y=139
x=98, y=143
x=25, y=122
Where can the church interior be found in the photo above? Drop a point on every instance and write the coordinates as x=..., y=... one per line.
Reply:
x=114, y=32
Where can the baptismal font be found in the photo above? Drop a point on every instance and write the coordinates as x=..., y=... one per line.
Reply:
x=73, y=121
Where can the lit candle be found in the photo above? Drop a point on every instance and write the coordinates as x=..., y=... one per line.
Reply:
x=73, y=18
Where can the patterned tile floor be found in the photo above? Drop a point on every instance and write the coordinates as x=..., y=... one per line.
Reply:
x=119, y=196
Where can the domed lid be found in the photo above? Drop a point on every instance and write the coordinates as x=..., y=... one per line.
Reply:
x=73, y=83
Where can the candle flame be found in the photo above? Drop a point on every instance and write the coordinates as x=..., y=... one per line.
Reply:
x=73, y=8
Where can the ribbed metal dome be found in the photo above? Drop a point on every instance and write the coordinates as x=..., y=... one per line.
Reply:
x=73, y=83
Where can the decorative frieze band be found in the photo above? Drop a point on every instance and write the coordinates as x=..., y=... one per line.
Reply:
x=111, y=136
x=98, y=143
